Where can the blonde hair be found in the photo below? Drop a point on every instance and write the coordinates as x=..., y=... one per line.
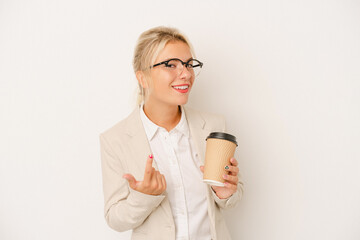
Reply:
x=149, y=44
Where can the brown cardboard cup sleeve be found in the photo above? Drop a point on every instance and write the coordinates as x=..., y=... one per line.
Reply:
x=220, y=148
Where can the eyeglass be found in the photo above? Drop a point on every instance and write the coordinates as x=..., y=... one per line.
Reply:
x=176, y=66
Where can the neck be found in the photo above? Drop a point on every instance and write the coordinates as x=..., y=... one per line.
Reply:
x=163, y=115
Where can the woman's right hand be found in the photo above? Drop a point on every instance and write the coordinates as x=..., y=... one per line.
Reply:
x=154, y=182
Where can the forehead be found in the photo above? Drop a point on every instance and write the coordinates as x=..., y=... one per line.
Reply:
x=176, y=49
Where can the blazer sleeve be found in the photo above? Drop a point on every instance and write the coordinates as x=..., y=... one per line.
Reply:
x=231, y=201
x=235, y=198
x=125, y=208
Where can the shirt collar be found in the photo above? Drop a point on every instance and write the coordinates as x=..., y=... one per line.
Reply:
x=151, y=128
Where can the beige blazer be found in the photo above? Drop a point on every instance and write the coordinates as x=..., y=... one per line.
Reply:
x=124, y=149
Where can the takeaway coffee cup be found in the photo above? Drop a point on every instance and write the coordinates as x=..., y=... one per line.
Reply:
x=220, y=148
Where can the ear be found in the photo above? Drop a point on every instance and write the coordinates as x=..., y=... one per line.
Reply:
x=140, y=76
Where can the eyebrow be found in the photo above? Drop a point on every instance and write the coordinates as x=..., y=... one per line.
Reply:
x=177, y=58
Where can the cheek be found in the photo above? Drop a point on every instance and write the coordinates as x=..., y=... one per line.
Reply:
x=162, y=79
x=192, y=80
x=162, y=83
x=167, y=80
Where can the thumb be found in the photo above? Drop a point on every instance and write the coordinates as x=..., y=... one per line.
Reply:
x=202, y=168
x=132, y=181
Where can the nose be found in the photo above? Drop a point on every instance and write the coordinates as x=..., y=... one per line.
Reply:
x=185, y=73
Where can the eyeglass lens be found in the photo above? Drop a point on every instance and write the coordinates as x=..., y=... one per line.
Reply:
x=193, y=66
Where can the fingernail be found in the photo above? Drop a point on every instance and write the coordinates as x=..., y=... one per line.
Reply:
x=150, y=156
x=226, y=167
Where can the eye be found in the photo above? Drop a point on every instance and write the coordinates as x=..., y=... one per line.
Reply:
x=192, y=64
x=189, y=65
x=172, y=64
x=169, y=65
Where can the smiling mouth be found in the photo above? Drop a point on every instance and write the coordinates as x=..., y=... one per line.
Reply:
x=184, y=87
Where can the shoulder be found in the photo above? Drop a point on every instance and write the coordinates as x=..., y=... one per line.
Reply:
x=123, y=127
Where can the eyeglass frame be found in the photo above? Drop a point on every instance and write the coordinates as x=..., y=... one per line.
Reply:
x=183, y=63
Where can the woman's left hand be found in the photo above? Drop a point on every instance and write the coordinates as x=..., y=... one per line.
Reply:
x=231, y=180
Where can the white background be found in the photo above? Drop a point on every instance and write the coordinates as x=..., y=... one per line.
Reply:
x=284, y=73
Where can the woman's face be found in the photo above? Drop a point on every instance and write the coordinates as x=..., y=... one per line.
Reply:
x=165, y=81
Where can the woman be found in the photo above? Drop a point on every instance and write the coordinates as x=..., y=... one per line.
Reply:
x=152, y=160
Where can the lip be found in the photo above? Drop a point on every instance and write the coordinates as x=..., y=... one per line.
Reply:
x=181, y=90
x=180, y=85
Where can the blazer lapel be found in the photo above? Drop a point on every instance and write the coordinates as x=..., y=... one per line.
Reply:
x=139, y=144
x=197, y=129
x=199, y=133
x=141, y=150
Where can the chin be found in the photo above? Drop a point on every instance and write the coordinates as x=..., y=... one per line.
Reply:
x=182, y=101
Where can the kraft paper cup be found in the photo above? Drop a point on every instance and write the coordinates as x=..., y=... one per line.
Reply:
x=220, y=148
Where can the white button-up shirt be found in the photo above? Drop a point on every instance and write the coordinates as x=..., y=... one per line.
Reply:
x=178, y=161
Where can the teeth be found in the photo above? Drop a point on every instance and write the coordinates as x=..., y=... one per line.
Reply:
x=181, y=87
